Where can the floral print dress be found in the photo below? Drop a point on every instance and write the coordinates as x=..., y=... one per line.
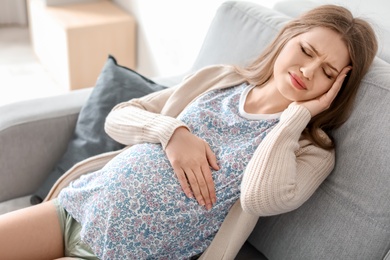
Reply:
x=134, y=207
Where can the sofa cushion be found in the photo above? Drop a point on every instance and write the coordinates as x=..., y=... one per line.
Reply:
x=115, y=84
x=349, y=215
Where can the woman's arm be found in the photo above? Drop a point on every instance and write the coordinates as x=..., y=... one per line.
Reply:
x=281, y=177
x=128, y=124
x=133, y=125
x=140, y=121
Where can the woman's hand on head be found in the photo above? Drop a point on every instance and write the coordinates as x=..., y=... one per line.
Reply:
x=323, y=102
x=191, y=158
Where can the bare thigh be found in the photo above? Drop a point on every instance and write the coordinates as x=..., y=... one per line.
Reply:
x=31, y=233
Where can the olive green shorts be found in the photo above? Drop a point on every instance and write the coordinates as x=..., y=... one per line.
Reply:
x=73, y=245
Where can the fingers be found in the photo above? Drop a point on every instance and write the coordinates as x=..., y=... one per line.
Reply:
x=212, y=159
x=207, y=174
x=345, y=70
x=195, y=186
x=198, y=184
x=181, y=176
x=332, y=93
x=202, y=186
x=340, y=78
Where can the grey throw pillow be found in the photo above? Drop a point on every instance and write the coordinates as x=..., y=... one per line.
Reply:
x=115, y=84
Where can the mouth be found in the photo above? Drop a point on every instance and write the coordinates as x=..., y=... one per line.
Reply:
x=297, y=82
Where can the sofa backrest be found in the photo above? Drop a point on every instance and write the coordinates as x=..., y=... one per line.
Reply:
x=348, y=217
x=238, y=34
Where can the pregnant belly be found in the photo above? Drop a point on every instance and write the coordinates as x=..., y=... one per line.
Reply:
x=143, y=168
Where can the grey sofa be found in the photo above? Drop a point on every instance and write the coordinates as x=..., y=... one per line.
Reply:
x=347, y=218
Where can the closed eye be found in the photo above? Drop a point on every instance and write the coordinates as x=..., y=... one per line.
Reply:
x=305, y=51
x=327, y=75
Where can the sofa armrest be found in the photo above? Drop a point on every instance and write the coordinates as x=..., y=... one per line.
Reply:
x=33, y=136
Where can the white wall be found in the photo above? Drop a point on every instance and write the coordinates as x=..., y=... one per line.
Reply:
x=170, y=33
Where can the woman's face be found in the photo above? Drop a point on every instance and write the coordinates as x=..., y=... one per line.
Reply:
x=309, y=64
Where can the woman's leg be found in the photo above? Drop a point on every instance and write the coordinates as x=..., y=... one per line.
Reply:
x=31, y=233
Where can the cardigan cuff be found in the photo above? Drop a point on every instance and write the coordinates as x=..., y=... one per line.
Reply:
x=163, y=128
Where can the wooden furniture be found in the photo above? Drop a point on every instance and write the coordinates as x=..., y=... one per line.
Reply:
x=73, y=41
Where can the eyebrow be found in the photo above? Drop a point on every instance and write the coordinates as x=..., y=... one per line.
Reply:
x=318, y=54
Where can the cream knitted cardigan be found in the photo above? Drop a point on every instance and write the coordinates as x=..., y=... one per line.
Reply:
x=283, y=173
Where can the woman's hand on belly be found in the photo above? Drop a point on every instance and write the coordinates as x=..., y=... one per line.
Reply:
x=191, y=158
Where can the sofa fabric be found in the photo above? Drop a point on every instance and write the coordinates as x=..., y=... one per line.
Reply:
x=26, y=154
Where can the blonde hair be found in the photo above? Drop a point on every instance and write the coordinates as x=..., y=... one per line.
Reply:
x=361, y=42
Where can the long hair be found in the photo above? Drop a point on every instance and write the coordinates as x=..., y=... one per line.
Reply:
x=362, y=45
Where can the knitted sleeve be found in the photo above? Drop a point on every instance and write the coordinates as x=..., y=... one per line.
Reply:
x=152, y=118
x=132, y=125
x=140, y=121
x=281, y=175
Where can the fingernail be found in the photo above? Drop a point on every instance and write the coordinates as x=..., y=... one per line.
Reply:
x=208, y=206
x=202, y=203
x=190, y=195
x=213, y=200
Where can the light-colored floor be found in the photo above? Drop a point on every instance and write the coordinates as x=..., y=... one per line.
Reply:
x=22, y=77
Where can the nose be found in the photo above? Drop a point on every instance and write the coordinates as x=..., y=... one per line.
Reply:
x=308, y=69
